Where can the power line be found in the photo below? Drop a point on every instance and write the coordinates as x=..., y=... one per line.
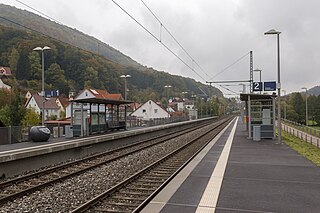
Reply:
x=159, y=40
x=98, y=42
x=164, y=27
x=233, y=63
x=229, y=90
x=32, y=8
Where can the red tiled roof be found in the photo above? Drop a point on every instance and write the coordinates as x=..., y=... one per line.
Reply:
x=98, y=93
x=64, y=102
x=114, y=97
x=49, y=104
x=5, y=71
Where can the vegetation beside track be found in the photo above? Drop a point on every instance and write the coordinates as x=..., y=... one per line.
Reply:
x=308, y=150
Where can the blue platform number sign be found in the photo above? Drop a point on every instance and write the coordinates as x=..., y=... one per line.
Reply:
x=270, y=86
x=257, y=86
x=52, y=93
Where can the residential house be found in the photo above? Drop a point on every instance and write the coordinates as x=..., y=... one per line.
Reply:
x=4, y=71
x=150, y=110
x=51, y=108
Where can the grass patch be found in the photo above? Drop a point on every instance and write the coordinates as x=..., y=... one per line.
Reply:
x=309, y=151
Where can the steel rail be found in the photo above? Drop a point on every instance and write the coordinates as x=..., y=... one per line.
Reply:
x=89, y=204
x=29, y=188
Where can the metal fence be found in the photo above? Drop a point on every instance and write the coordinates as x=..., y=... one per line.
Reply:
x=13, y=134
x=18, y=134
x=302, y=127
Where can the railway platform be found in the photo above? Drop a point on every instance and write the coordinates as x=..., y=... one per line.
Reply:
x=236, y=174
x=21, y=157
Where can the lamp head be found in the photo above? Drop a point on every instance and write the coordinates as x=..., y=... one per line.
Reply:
x=46, y=48
x=272, y=32
x=37, y=48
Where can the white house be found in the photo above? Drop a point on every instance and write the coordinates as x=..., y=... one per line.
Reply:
x=150, y=110
x=5, y=71
x=50, y=106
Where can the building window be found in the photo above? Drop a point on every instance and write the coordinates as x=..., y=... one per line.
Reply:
x=155, y=110
x=143, y=110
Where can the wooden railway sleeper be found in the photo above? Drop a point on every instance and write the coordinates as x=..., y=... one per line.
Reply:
x=135, y=193
x=110, y=210
x=137, y=189
x=128, y=198
x=144, y=184
x=121, y=204
x=152, y=180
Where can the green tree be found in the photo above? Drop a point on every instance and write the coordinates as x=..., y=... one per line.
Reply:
x=5, y=97
x=55, y=76
x=31, y=118
x=91, y=77
x=298, y=105
x=23, y=67
x=35, y=66
x=4, y=115
x=17, y=109
x=13, y=60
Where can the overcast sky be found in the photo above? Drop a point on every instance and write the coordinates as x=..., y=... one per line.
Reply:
x=214, y=32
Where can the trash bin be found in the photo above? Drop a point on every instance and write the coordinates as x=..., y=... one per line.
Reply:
x=69, y=131
x=256, y=133
x=39, y=133
x=55, y=132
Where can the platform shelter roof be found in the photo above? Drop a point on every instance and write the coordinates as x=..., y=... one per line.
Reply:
x=253, y=96
x=102, y=101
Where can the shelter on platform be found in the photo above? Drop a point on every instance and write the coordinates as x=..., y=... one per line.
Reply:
x=260, y=112
x=108, y=115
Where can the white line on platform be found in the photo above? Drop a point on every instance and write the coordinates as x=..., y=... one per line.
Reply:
x=164, y=196
x=210, y=196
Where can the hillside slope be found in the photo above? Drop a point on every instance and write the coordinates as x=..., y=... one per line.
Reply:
x=62, y=33
x=93, y=64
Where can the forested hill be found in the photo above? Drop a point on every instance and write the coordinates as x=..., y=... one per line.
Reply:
x=62, y=33
x=314, y=91
x=69, y=68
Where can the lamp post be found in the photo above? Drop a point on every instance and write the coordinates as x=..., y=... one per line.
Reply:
x=258, y=70
x=125, y=97
x=285, y=104
x=167, y=87
x=125, y=84
x=42, y=88
x=274, y=32
x=306, y=104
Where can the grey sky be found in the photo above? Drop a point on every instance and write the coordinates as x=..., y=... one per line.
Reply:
x=215, y=33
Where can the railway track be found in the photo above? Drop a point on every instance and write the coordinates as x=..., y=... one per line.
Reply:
x=18, y=187
x=132, y=194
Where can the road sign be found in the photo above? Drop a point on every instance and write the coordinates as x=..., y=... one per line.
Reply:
x=270, y=86
x=257, y=86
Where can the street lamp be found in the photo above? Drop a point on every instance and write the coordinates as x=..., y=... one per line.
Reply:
x=274, y=32
x=125, y=84
x=183, y=95
x=167, y=87
x=42, y=89
x=306, y=104
x=285, y=104
x=258, y=70
x=125, y=97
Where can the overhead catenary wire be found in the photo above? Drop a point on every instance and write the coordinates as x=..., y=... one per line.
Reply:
x=173, y=37
x=32, y=8
x=159, y=40
x=230, y=65
x=229, y=90
x=98, y=42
